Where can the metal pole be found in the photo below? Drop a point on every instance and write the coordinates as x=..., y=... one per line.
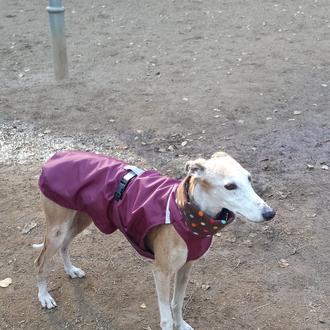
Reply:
x=56, y=25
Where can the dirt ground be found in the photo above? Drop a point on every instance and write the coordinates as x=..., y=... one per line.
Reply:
x=158, y=83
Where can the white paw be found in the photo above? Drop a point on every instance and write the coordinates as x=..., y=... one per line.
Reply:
x=166, y=325
x=183, y=326
x=75, y=272
x=47, y=300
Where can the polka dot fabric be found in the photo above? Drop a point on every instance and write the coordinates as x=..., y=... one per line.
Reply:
x=198, y=221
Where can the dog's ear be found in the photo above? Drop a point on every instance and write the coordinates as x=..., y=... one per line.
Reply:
x=196, y=167
x=219, y=154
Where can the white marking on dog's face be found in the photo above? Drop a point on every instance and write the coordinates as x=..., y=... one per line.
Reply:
x=223, y=182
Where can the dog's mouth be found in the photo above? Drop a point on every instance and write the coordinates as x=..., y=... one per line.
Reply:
x=225, y=216
x=245, y=218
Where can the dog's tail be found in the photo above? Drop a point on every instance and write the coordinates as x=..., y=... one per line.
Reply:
x=38, y=246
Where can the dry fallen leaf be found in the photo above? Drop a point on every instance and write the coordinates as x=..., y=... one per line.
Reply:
x=28, y=227
x=283, y=263
x=143, y=306
x=325, y=167
x=296, y=113
x=6, y=282
x=205, y=287
x=309, y=166
x=232, y=239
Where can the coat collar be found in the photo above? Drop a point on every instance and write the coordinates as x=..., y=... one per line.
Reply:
x=199, y=222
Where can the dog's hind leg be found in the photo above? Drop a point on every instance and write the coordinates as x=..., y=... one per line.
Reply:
x=180, y=285
x=59, y=221
x=79, y=223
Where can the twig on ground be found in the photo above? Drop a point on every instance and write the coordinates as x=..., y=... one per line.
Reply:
x=237, y=265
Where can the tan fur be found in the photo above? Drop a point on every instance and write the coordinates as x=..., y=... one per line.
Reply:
x=62, y=225
x=170, y=250
x=206, y=185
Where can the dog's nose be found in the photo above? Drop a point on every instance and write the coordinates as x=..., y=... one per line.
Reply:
x=268, y=213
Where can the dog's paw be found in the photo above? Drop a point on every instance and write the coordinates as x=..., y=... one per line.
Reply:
x=183, y=326
x=75, y=272
x=46, y=300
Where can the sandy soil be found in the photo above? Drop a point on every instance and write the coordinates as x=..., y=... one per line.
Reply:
x=245, y=76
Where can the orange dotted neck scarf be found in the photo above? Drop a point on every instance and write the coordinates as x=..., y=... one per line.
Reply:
x=197, y=220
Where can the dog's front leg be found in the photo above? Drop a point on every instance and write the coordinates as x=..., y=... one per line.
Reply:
x=162, y=281
x=181, y=281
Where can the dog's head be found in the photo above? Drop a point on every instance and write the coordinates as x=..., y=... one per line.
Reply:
x=221, y=182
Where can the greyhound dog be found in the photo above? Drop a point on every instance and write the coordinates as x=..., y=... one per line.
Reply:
x=164, y=219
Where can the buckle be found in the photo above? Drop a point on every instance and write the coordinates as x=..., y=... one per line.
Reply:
x=123, y=184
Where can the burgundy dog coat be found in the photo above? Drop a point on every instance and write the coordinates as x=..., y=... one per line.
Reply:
x=87, y=182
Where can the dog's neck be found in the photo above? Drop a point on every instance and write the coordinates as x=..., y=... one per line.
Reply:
x=198, y=194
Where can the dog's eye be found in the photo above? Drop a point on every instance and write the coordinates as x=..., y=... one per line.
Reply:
x=249, y=178
x=231, y=186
